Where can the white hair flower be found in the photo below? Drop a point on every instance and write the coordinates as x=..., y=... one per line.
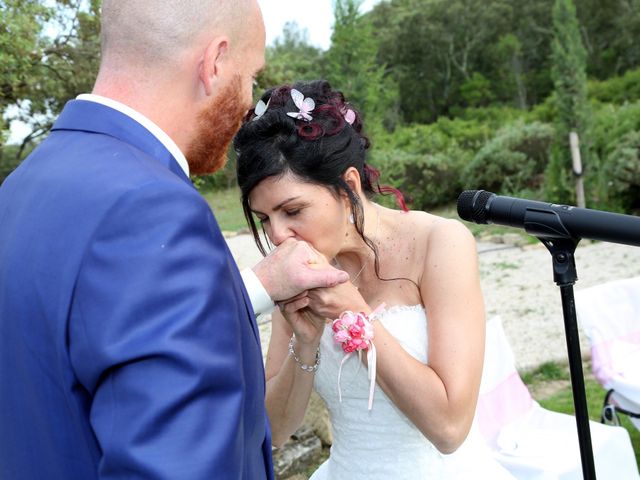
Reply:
x=305, y=106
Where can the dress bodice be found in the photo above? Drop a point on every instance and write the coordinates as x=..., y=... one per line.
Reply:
x=382, y=443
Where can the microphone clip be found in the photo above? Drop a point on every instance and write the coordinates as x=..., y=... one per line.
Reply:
x=562, y=251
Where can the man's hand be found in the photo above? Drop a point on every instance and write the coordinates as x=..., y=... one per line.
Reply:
x=295, y=267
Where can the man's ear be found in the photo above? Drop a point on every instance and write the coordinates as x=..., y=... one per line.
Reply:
x=213, y=63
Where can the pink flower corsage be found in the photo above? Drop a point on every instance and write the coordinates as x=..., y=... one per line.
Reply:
x=354, y=333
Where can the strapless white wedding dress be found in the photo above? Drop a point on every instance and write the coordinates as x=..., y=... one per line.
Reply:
x=382, y=443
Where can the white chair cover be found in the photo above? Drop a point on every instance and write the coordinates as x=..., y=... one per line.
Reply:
x=532, y=442
x=609, y=315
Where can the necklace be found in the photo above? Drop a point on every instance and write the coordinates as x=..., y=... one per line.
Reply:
x=375, y=237
x=364, y=264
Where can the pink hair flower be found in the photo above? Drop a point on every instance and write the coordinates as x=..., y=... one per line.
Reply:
x=349, y=116
x=305, y=106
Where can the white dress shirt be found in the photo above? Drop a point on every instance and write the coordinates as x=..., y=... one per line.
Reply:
x=259, y=297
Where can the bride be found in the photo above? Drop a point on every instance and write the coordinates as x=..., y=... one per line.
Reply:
x=397, y=352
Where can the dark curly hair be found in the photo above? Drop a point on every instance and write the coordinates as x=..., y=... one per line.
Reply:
x=318, y=151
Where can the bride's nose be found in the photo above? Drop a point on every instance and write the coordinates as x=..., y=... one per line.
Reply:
x=280, y=231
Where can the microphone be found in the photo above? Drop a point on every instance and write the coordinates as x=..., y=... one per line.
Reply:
x=548, y=220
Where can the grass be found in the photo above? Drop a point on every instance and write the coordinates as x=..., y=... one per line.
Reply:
x=550, y=386
x=227, y=208
x=547, y=372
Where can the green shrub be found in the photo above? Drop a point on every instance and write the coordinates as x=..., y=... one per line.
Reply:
x=436, y=137
x=416, y=138
x=427, y=180
x=545, y=112
x=475, y=91
x=610, y=123
x=9, y=159
x=425, y=161
x=223, y=179
x=466, y=134
x=621, y=174
x=492, y=116
x=513, y=161
x=617, y=90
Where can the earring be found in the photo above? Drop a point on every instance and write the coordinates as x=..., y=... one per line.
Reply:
x=351, y=219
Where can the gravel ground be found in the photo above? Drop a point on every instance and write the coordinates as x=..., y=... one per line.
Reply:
x=517, y=282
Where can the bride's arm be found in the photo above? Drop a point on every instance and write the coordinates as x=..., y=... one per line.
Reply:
x=440, y=398
x=288, y=385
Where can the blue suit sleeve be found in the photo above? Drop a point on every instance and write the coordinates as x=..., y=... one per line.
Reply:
x=155, y=339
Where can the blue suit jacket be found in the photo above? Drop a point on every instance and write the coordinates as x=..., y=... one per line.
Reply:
x=128, y=345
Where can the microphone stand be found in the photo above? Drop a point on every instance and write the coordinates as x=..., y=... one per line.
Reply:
x=564, y=275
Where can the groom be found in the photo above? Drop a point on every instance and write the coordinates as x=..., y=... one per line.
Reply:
x=128, y=344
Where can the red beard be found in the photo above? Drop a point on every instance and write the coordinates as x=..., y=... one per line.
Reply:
x=216, y=126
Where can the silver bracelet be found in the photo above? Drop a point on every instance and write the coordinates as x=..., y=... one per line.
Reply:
x=304, y=366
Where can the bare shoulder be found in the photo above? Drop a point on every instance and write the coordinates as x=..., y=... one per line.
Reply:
x=423, y=232
x=450, y=263
x=416, y=222
x=433, y=229
x=446, y=233
x=423, y=247
x=450, y=247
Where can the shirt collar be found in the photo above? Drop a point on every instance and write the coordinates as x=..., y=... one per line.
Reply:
x=155, y=130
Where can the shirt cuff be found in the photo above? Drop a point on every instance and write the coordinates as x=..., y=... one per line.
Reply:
x=260, y=299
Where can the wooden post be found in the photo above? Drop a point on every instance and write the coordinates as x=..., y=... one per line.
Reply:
x=577, y=168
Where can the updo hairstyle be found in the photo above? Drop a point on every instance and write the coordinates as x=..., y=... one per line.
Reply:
x=318, y=151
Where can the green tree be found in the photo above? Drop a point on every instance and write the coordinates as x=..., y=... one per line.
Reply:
x=475, y=91
x=41, y=70
x=509, y=70
x=351, y=66
x=291, y=58
x=435, y=46
x=20, y=47
x=610, y=32
x=570, y=81
x=531, y=56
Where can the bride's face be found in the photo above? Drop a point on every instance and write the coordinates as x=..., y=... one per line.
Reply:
x=290, y=208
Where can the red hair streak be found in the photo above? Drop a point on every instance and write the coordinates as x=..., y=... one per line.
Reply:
x=373, y=175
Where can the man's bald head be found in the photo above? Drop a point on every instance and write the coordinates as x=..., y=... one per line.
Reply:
x=157, y=34
x=177, y=61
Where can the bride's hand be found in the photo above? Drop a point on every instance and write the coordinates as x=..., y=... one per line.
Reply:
x=331, y=302
x=307, y=325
